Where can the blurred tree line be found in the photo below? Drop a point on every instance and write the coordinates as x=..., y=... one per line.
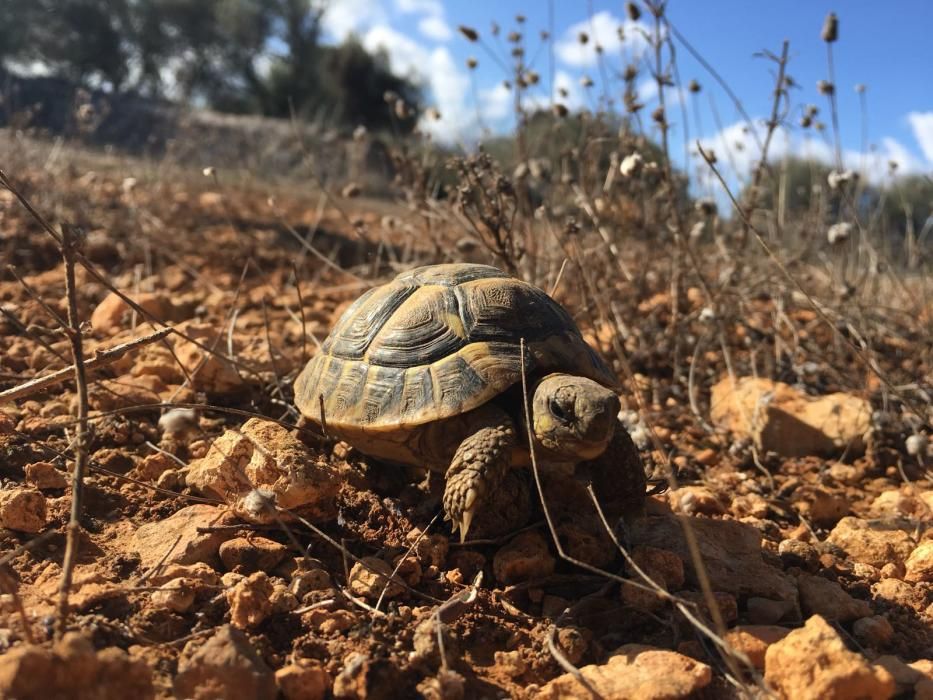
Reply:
x=246, y=56
x=902, y=207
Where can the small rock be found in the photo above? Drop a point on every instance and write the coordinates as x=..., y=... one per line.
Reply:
x=764, y=611
x=264, y=455
x=201, y=575
x=896, y=592
x=44, y=475
x=919, y=565
x=814, y=663
x=904, y=676
x=875, y=542
x=754, y=640
x=72, y=669
x=111, y=315
x=731, y=552
x=176, y=595
x=823, y=508
x=249, y=554
x=784, y=420
x=431, y=550
x=819, y=596
x=176, y=539
x=446, y=685
x=800, y=554
x=526, y=557
x=303, y=681
x=634, y=671
x=210, y=372
x=663, y=567
x=370, y=576
x=250, y=600
x=225, y=666
x=22, y=509
x=303, y=582
x=875, y=631
x=363, y=678
x=896, y=504
x=694, y=500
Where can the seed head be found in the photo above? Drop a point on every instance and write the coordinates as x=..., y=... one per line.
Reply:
x=560, y=110
x=470, y=33
x=532, y=78
x=471, y=63
x=693, y=86
x=633, y=11
x=839, y=232
x=359, y=133
x=825, y=87
x=630, y=73
x=350, y=190
x=209, y=171
x=514, y=37
x=860, y=88
x=562, y=91
x=520, y=19
x=830, y=28
x=631, y=165
x=658, y=115
x=583, y=37
x=586, y=81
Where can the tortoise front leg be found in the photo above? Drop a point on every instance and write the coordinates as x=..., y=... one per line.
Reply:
x=478, y=466
x=618, y=478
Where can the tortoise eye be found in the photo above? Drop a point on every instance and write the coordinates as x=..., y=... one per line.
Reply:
x=563, y=412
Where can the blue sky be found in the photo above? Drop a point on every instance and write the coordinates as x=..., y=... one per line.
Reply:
x=884, y=46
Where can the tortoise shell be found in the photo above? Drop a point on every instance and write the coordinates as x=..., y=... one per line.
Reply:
x=436, y=342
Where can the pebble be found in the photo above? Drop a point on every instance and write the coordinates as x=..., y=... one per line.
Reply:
x=874, y=631
x=250, y=600
x=23, y=510
x=919, y=565
x=303, y=681
x=370, y=576
x=820, y=596
x=250, y=554
x=526, y=557
x=225, y=666
x=876, y=542
x=44, y=475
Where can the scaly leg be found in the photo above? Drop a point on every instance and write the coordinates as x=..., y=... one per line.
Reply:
x=478, y=466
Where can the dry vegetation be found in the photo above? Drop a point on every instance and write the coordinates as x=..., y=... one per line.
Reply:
x=127, y=565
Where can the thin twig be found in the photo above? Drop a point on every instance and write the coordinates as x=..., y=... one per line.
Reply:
x=101, y=358
x=68, y=244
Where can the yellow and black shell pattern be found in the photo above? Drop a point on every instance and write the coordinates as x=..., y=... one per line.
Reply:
x=436, y=342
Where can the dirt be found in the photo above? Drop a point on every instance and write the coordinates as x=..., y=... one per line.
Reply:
x=188, y=587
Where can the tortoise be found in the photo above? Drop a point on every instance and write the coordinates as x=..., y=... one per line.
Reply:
x=426, y=371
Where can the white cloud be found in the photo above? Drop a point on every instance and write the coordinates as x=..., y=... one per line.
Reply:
x=435, y=71
x=496, y=103
x=922, y=125
x=406, y=56
x=603, y=30
x=435, y=28
x=344, y=17
x=421, y=7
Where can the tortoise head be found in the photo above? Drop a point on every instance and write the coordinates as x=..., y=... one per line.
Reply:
x=574, y=417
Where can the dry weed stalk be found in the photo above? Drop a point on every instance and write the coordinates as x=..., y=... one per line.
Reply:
x=69, y=245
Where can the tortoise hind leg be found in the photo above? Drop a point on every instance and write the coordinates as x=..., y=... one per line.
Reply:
x=479, y=465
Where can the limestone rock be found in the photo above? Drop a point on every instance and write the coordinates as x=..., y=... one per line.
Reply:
x=72, y=669
x=44, y=475
x=784, y=420
x=634, y=671
x=820, y=596
x=250, y=600
x=303, y=681
x=249, y=554
x=22, y=509
x=875, y=542
x=370, y=580
x=156, y=542
x=527, y=556
x=754, y=640
x=873, y=631
x=112, y=314
x=226, y=666
x=264, y=455
x=813, y=663
x=731, y=552
x=920, y=563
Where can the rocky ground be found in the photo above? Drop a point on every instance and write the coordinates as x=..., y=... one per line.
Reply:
x=790, y=555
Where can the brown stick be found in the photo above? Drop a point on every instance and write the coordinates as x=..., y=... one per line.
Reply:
x=80, y=445
x=101, y=358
